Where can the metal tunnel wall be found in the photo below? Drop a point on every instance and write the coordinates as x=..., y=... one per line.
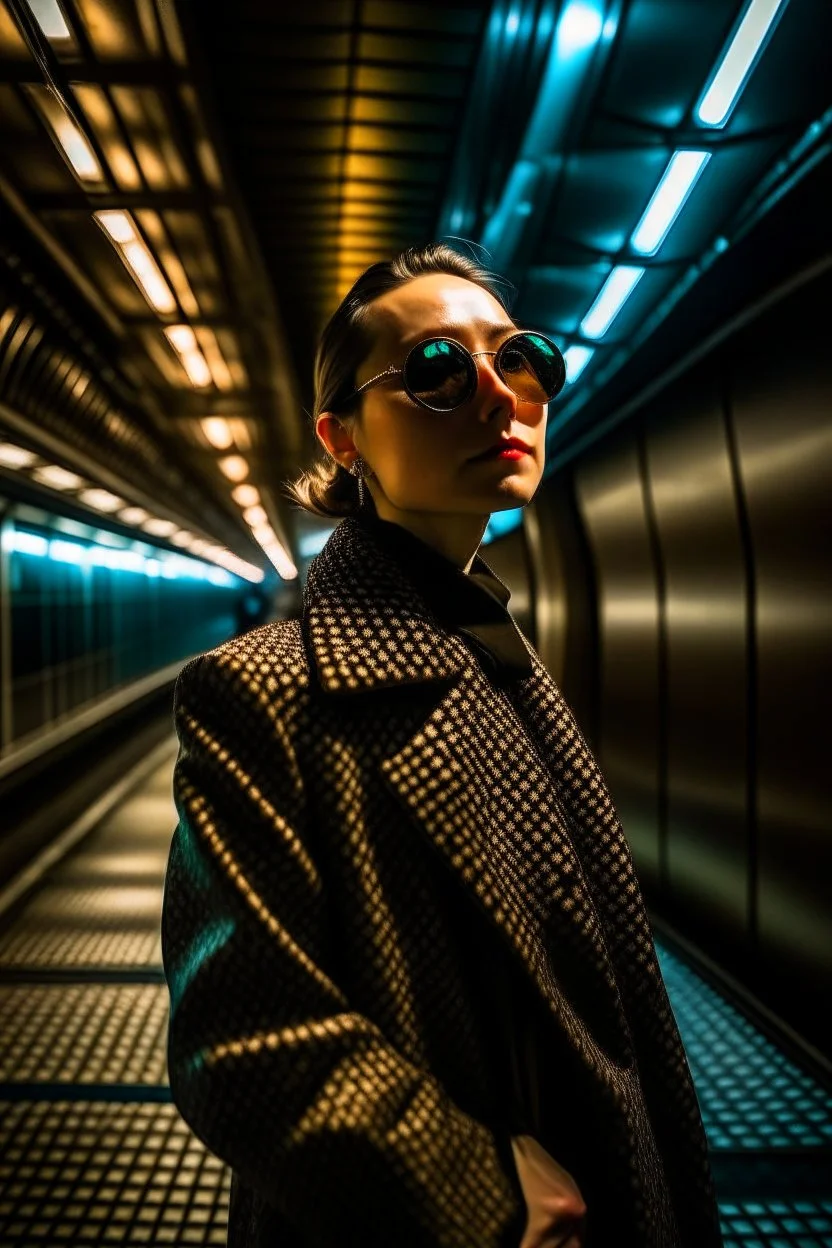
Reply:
x=707, y=523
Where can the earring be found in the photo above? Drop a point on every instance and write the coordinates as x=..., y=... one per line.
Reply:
x=359, y=469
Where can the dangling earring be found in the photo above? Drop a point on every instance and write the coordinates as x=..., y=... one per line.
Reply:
x=359, y=469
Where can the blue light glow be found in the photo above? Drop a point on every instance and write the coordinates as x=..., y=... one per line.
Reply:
x=615, y=291
x=576, y=359
x=512, y=23
x=116, y=558
x=677, y=182
x=737, y=61
x=576, y=36
x=579, y=27
x=502, y=522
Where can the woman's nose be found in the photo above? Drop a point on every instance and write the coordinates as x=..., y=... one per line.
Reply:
x=491, y=386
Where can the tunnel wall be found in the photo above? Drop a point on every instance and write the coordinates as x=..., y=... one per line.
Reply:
x=83, y=615
x=704, y=678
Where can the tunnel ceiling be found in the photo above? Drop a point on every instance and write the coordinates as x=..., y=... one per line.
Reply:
x=266, y=154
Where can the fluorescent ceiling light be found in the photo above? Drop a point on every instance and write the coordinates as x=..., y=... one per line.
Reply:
x=576, y=359
x=160, y=528
x=234, y=467
x=101, y=500
x=57, y=478
x=48, y=15
x=246, y=495
x=183, y=340
x=218, y=432
x=677, y=182
x=255, y=516
x=72, y=141
x=613, y=294
x=12, y=456
x=733, y=70
x=133, y=515
x=579, y=28
x=136, y=255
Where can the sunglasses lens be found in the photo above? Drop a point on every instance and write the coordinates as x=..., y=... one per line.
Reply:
x=533, y=367
x=440, y=374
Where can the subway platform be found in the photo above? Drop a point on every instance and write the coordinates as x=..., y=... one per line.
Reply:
x=92, y=1150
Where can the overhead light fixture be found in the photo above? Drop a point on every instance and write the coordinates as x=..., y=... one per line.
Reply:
x=160, y=528
x=183, y=340
x=48, y=15
x=71, y=140
x=57, y=478
x=246, y=495
x=616, y=289
x=12, y=456
x=677, y=182
x=120, y=229
x=234, y=467
x=218, y=432
x=255, y=515
x=182, y=538
x=576, y=359
x=214, y=358
x=101, y=500
x=133, y=515
x=737, y=61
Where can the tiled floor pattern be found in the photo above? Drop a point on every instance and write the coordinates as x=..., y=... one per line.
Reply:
x=91, y=1153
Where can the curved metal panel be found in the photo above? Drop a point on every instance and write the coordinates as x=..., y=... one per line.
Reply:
x=611, y=502
x=782, y=394
x=692, y=493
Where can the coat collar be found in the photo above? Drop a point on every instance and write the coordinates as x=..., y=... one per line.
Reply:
x=368, y=626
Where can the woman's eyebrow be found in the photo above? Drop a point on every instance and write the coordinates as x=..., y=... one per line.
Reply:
x=490, y=330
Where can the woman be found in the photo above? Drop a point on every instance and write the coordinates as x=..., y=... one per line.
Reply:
x=414, y=994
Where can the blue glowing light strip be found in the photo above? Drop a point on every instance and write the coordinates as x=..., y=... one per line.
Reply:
x=677, y=182
x=576, y=359
x=737, y=62
x=168, y=566
x=615, y=291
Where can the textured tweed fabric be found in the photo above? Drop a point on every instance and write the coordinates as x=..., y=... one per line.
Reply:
x=365, y=819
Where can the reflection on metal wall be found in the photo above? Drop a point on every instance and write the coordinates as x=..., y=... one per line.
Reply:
x=703, y=606
x=612, y=504
x=709, y=524
x=781, y=410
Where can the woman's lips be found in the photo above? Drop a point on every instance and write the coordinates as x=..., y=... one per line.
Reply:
x=509, y=452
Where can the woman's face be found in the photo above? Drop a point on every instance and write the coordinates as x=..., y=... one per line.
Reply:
x=424, y=461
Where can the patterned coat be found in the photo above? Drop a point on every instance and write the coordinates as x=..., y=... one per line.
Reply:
x=363, y=816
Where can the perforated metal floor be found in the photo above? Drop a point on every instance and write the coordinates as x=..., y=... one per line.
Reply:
x=92, y=1152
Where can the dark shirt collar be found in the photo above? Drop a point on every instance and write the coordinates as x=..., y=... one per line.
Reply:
x=473, y=604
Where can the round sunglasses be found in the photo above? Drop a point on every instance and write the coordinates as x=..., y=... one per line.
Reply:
x=440, y=373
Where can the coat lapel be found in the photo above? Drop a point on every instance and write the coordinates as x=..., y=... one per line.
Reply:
x=474, y=780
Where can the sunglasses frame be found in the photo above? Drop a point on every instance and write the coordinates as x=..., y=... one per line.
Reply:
x=471, y=355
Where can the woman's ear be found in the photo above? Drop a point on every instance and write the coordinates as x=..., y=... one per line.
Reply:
x=335, y=438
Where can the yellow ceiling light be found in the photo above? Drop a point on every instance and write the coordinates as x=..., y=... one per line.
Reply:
x=220, y=372
x=57, y=478
x=133, y=515
x=218, y=432
x=183, y=538
x=246, y=495
x=160, y=528
x=101, y=500
x=234, y=467
x=121, y=231
x=255, y=516
x=12, y=456
x=48, y=15
x=183, y=341
x=70, y=139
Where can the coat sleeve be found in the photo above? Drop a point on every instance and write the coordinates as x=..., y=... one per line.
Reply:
x=269, y=1063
